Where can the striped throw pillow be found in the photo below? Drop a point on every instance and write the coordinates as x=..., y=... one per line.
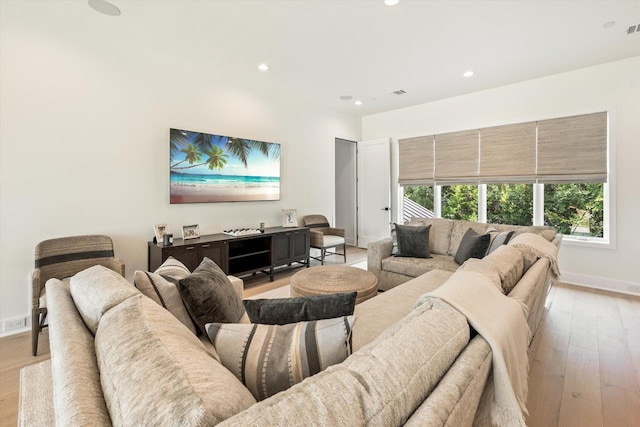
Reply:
x=271, y=358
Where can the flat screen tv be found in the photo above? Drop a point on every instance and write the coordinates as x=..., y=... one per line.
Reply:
x=208, y=168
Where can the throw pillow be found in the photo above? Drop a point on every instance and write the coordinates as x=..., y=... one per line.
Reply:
x=509, y=263
x=173, y=268
x=498, y=239
x=472, y=245
x=163, y=291
x=280, y=311
x=209, y=296
x=413, y=241
x=271, y=358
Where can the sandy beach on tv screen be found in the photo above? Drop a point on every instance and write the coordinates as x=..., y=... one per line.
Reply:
x=204, y=194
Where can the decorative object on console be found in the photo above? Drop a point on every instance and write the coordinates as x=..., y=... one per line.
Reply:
x=280, y=311
x=190, y=232
x=160, y=230
x=271, y=358
x=204, y=168
x=289, y=218
x=236, y=232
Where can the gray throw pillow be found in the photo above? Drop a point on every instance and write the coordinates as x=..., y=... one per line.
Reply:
x=472, y=245
x=498, y=239
x=281, y=311
x=209, y=296
x=413, y=241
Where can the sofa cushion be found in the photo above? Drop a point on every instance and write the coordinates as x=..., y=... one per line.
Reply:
x=280, y=311
x=408, y=360
x=96, y=290
x=209, y=296
x=164, y=291
x=485, y=268
x=458, y=231
x=414, y=267
x=271, y=358
x=509, y=263
x=153, y=373
x=413, y=241
x=439, y=234
x=498, y=238
x=173, y=268
x=472, y=245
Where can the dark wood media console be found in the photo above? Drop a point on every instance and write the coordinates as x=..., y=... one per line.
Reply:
x=263, y=252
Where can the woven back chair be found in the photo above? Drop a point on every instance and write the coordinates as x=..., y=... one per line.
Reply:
x=324, y=237
x=62, y=258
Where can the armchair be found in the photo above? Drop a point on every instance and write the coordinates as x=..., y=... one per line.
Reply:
x=324, y=237
x=62, y=258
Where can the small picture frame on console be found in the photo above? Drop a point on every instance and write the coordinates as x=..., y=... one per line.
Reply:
x=190, y=231
x=289, y=218
x=160, y=230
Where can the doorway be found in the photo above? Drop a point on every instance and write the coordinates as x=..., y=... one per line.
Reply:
x=346, y=195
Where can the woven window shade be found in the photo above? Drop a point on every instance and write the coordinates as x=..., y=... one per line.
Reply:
x=573, y=149
x=415, y=161
x=508, y=153
x=456, y=157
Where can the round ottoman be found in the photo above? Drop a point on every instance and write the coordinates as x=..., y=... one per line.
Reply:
x=331, y=279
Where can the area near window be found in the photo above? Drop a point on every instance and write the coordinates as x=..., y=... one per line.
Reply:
x=567, y=157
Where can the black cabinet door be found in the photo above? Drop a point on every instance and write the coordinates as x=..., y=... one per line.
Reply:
x=216, y=252
x=281, y=251
x=300, y=244
x=188, y=255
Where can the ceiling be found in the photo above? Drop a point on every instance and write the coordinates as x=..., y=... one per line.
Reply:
x=324, y=49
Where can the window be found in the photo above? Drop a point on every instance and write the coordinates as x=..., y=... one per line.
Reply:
x=460, y=202
x=510, y=204
x=417, y=202
x=575, y=209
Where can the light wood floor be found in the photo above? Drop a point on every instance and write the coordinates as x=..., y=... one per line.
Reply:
x=585, y=370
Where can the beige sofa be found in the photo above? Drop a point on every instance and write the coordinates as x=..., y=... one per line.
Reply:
x=122, y=359
x=444, y=238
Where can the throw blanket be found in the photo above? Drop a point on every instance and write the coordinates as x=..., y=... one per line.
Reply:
x=539, y=246
x=500, y=320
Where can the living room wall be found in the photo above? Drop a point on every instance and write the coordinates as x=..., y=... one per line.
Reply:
x=85, y=141
x=614, y=87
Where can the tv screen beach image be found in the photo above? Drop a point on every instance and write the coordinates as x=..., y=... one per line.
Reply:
x=208, y=168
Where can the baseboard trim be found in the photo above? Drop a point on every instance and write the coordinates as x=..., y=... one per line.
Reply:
x=602, y=283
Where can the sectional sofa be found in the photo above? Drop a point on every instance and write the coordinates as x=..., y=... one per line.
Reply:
x=118, y=358
x=445, y=236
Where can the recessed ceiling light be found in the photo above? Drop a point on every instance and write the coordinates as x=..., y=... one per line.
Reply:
x=263, y=67
x=346, y=97
x=104, y=7
x=609, y=24
x=391, y=2
x=358, y=102
x=468, y=73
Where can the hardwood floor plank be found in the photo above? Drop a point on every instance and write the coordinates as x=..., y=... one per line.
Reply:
x=581, y=400
x=621, y=408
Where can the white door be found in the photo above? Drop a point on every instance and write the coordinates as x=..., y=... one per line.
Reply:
x=374, y=190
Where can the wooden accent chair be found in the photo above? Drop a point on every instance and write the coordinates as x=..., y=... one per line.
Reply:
x=61, y=258
x=324, y=237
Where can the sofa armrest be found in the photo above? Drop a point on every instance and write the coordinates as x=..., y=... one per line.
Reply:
x=376, y=252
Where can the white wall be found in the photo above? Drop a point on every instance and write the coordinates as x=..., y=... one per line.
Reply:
x=614, y=87
x=84, y=142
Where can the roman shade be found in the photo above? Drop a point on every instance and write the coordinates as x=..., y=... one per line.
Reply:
x=573, y=149
x=415, y=157
x=508, y=153
x=568, y=149
x=456, y=157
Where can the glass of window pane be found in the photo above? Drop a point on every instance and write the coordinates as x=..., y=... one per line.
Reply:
x=460, y=202
x=510, y=204
x=417, y=202
x=575, y=209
